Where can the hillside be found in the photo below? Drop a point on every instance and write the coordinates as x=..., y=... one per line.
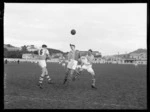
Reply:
x=11, y=48
x=54, y=51
x=136, y=51
x=8, y=45
x=139, y=51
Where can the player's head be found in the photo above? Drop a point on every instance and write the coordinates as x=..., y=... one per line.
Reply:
x=72, y=46
x=44, y=46
x=90, y=51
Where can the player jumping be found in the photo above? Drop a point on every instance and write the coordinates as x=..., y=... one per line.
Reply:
x=73, y=57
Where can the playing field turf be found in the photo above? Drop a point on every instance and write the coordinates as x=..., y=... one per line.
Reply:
x=119, y=87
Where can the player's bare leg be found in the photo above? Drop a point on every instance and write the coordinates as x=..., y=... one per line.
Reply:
x=71, y=75
x=66, y=76
x=91, y=71
x=77, y=72
x=93, y=81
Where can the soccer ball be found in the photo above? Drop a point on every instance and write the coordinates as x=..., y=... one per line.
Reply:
x=73, y=32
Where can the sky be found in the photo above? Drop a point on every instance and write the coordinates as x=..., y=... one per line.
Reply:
x=107, y=28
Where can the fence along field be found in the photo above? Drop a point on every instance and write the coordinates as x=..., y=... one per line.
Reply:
x=119, y=87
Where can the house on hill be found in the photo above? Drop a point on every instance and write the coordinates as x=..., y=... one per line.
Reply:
x=139, y=56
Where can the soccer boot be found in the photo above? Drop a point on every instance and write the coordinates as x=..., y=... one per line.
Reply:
x=50, y=82
x=93, y=87
x=74, y=78
x=65, y=80
x=40, y=86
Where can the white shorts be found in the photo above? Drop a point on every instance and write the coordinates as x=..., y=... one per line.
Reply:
x=88, y=67
x=42, y=63
x=72, y=64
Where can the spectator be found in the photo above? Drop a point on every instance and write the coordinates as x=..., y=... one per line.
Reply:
x=18, y=61
x=6, y=61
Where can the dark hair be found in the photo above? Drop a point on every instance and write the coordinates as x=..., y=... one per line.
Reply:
x=72, y=45
x=44, y=45
x=90, y=50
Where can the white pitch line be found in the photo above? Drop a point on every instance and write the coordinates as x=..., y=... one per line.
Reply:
x=96, y=103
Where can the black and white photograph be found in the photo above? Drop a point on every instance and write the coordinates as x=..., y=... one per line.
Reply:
x=75, y=55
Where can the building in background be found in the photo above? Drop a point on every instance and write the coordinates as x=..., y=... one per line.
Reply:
x=31, y=48
x=57, y=55
x=27, y=56
x=139, y=57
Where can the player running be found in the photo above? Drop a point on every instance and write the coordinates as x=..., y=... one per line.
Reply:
x=43, y=54
x=86, y=64
x=73, y=57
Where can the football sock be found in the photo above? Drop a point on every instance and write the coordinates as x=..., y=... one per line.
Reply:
x=93, y=82
x=41, y=80
x=48, y=77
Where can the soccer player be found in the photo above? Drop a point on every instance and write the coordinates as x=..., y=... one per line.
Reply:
x=43, y=54
x=73, y=57
x=86, y=64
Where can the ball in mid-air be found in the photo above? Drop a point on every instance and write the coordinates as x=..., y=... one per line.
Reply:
x=73, y=31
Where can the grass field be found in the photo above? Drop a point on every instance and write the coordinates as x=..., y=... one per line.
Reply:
x=119, y=87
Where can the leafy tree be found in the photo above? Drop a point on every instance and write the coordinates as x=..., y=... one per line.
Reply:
x=35, y=52
x=24, y=49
